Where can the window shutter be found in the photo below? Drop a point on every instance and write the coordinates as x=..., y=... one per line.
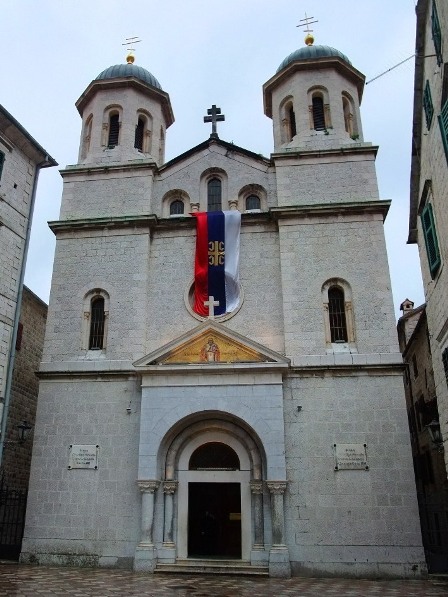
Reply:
x=427, y=105
x=436, y=33
x=432, y=246
x=318, y=114
x=2, y=161
x=443, y=123
x=445, y=362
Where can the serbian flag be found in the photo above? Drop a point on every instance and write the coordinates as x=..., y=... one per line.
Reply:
x=216, y=268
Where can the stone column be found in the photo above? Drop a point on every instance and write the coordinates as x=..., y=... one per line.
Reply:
x=145, y=555
x=256, y=488
x=147, y=488
x=279, y=564
x=169, y=488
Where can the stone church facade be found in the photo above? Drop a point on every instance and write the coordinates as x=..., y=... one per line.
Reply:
x=273, y=438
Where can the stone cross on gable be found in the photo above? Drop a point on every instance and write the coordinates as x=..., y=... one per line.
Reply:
x=214, y=116
x=211, y=304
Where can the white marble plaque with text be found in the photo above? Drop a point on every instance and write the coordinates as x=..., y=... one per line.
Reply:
x=83, y=456
x=350, y=457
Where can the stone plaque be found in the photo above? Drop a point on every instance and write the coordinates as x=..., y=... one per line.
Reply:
x=350, y=457
x=83, y=456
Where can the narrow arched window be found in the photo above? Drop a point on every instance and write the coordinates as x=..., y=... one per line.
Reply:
x=139, y=132
x=97, y=318
x=114, y=129
x=336, y=313
x=318, y=113
x=177, y=208
x=214, y=195
x=292, y=123
x=253, y=202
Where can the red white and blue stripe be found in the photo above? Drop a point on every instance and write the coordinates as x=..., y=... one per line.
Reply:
x=216, y=270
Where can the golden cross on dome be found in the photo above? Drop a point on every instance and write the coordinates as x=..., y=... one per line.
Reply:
x=130, y=41
x=306, y=22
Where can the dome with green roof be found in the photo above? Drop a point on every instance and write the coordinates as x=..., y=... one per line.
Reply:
x=312, y=53
x=129, y=70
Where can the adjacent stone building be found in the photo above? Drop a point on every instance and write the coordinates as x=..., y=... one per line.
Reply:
x=24, y=390
x=271, y=438
x=428, y=219
x=21, y=159
x=429, y=464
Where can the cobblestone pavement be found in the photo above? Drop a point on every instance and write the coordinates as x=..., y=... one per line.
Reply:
x=17, y=580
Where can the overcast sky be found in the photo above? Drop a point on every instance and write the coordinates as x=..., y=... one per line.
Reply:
x=206, y=53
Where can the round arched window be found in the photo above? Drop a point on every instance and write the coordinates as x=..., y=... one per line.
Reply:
x=253, y=202
x=215, y=456
x=177, y=208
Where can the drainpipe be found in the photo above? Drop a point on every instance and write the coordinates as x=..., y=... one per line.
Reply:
x=4, y=407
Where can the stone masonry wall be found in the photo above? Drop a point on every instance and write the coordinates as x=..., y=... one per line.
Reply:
x=25, y=385
x=15, y=201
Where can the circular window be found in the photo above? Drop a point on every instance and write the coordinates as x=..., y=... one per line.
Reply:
x=189, y=303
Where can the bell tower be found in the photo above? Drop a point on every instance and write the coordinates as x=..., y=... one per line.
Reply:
x=313, y=99
x=125, y=114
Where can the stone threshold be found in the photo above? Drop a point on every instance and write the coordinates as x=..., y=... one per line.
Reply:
x=212, y=566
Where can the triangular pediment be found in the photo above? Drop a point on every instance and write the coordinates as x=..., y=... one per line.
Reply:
x=211, y=344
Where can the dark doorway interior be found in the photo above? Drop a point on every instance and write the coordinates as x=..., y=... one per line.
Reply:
x=214, y=520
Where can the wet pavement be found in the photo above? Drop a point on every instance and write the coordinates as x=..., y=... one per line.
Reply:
x=19, y=580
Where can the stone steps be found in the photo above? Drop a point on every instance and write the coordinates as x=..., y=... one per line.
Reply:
x=197, y=566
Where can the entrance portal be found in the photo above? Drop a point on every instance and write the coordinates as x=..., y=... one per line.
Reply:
x=214, y=520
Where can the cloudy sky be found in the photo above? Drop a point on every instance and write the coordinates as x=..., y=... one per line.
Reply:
x=206, y=53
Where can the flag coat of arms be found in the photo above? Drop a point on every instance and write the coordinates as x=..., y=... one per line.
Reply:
x=216, y=269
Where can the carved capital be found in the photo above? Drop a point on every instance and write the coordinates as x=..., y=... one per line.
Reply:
x=233, y=204
x=256, y=487
x=105, y=126
x=277, y=487
x=87, y=315
x=149, y=486
x=169, y=487
x=194, y=206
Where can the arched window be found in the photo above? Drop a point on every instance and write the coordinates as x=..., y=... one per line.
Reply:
x=348, y=116
x=214, y=195
x=292, y=123
x=318, y=113
x=97, y=320
x=139, y=133
x=177, y=207
x=214, y=455
x=114, y=130
x=336, y=314
x=253, y=202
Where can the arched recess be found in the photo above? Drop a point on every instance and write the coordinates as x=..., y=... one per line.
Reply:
x=112, y=118
x=86, y=136
x=252, y=190
x=319, y=108
x=173, y=197
x=338, y=316
x=181, y=506
x=212, y=174
x=350, y=120
x=288, y=120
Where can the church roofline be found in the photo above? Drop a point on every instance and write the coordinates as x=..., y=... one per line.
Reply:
x=274, y=213
x=324, y=62
x=119, y=82
x=208, y=143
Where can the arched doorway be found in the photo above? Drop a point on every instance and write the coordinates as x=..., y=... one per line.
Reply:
x=215, y=464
